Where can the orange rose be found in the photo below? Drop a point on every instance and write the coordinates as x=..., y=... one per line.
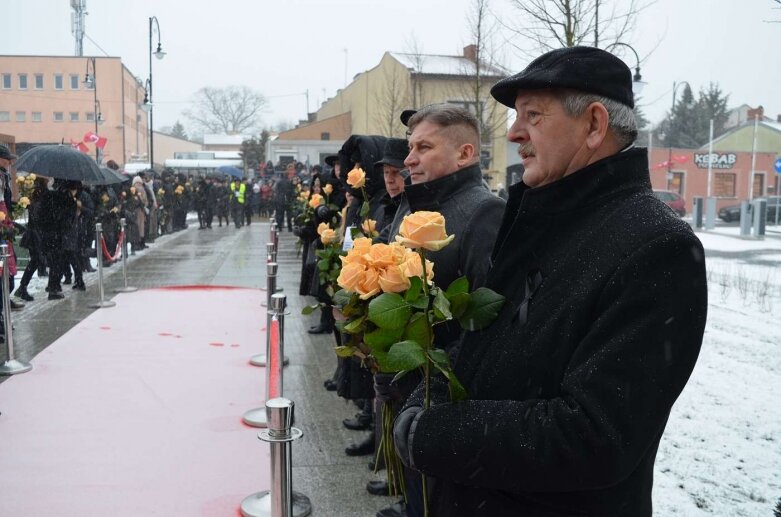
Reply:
x=321, y=227
x=2, y=216
x=362, y=245
x=382, y=255
x=369, y=284
x=356, y=178
x=369, y=227
x=328, y=236
x=393, y=280
x=328, y=189
x=424, y=230
x=350, y=275
x=132, y=190
x=413, y=267
x=316, y=200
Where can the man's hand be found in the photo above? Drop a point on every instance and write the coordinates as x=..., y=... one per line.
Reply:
x=404, y=431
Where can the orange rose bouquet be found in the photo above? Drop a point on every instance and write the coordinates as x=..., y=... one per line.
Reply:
x=391, y=305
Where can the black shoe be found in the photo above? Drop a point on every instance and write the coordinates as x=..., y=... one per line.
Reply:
x=79, y=286
x=56, y=296
x=67, y=280
x=395, y=510
x=361, y=449
x=330, y=384
x=321, y=329
x=23, y=294
x=361, y=422
x=377, y=487
x=15, y=306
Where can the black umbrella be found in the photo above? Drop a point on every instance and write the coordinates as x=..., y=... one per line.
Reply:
x=61, y=162
x=109, y=177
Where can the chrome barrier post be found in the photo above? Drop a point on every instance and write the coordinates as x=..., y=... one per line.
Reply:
x=281, y=500
x=126, y=289
x=275, y=234
x=99, y=254
x=271, y=252
x=275, y=352
x=11, y=366
x=260, y=359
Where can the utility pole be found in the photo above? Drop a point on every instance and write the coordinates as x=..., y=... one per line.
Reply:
x=77, y=24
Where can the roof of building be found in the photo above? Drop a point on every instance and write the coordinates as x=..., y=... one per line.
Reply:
x=431, y=64
x=770, y=124
x=224, y=139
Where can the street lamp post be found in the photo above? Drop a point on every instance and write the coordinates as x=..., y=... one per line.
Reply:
x=637, y=79
x=91, y=81
x=669, y=133
x=148, y=102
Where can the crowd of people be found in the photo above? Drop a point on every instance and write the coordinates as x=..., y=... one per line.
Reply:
x=570, y=387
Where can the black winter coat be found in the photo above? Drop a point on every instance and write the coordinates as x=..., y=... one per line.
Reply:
x=571, y=387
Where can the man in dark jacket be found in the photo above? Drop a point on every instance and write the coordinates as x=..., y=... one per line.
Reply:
x=571, y=387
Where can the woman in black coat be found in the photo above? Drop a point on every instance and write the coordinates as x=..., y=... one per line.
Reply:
x=32, y=238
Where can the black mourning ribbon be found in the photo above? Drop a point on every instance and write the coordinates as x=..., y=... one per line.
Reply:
x=533, y=282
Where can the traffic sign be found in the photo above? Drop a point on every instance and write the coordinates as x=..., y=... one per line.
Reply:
x=778, y=165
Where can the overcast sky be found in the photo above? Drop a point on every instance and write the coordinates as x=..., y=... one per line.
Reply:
x=282, y=48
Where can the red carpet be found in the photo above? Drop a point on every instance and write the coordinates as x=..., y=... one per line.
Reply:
x=137, y=411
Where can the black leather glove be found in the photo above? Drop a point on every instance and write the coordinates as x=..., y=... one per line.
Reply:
x=403, y=433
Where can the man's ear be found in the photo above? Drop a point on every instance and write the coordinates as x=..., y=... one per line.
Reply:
x=598, y=121
x=466, y=154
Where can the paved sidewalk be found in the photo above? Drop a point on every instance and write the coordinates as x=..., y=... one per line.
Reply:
x=334, y=482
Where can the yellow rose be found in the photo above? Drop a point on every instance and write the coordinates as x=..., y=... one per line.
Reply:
x=161, y=192
x=20, y=179
x=393, y=280
x=424, y=230
x=31, y=177
x=104, y=198
x=316, y=200
x=413, y=267
x=328, y=189
x=24, y=201
x=369, y=227
x=350, y=275
x=369, y=284
x=356, y=178
x=2, y=216
x=321, y=227
x=328, y=236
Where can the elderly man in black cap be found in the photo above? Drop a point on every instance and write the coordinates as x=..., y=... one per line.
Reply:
x=571, y=387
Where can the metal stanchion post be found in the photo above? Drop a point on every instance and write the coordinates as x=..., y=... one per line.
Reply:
x=281, y=500
x=99, y=254
x=271, y=287
x=271, y=252
x=275, y=352
x=11, y=366
x=126, y=289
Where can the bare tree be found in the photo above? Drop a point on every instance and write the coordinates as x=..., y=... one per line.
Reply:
x=391, y=99
x=414, y=49
x=551, y=24
x=227, y=110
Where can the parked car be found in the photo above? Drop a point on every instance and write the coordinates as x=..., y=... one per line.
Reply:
x=732, y=212
x=673, y=200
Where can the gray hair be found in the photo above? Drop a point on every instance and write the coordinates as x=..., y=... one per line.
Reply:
x=621, y=118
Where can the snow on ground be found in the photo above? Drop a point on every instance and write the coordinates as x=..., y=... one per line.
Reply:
x=721, y=451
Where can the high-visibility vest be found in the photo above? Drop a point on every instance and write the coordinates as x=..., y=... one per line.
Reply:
x=239, y=193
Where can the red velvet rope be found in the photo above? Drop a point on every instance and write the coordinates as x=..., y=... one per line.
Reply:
x=117, y=252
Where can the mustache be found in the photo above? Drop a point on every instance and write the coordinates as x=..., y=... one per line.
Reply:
x=526, y=149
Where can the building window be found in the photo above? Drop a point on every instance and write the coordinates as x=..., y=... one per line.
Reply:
x=74, y=81
x=39, y=81
x=758, y=189
x=59, y=116
x=6, y=81
x=89, y=116
x=37, y=116
x=325, y=136
x=22, y=81
x=58, y=81
x=724, y=184
x=5, y=116
x=21, y=116
x=74, y=116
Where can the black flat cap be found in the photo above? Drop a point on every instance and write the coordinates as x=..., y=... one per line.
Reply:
x=394, y=153
x=6, y=153
x=586, y=69
x=406, y=115
x=331, y=160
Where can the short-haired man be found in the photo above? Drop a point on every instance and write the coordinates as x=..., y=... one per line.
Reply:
x=570, y=388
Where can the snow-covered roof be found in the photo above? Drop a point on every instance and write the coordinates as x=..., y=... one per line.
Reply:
x=430, y=64
x=224, y=139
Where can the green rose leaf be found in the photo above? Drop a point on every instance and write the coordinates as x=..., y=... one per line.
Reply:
x=389, y=311
x=399, y=375
x=415, y=287
x=323, y=265
x=341, y=298
x=442, y=363
x=406, y=355
x=440, y=359
x=309, y=309
x=417, y=330
x=356, y=232
x=458, y=304
x=457, y=390
x=344, y=351
x=457, y=286
x=364, y=209
x=355, y=326
x=442, y=306
x=380, y=340
x=483, y=308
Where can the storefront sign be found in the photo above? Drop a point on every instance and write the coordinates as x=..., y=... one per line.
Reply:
x=717, y=160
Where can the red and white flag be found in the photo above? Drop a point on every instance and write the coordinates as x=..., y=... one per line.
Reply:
x=80, y=146
x=94, y=138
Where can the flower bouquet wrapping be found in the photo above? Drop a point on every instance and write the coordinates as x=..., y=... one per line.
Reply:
x=391, y=305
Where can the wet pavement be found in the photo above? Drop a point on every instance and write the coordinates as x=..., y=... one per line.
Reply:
x=334, y=482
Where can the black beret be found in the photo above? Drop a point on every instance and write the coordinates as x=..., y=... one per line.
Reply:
x=586, y=69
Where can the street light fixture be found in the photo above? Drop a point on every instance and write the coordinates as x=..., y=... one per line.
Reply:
x=147, y=106
x=637, y=80
x=90, y=81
